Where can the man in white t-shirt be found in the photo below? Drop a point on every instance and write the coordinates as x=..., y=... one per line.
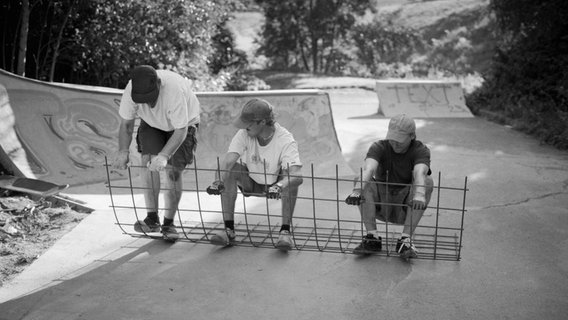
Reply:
x=166, y=138
x=270, y=167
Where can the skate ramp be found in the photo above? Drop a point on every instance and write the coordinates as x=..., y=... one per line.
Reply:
x=422, y=99
x=68, y=130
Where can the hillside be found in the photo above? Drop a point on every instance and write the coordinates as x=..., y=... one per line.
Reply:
x=424, y=14
x=446, y=25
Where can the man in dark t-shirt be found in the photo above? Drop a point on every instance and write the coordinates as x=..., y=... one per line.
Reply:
x=396, y=186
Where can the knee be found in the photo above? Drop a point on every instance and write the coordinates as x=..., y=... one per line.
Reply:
x=174, y=175
x=370, y=188
x=236, y=171
x=290, y=191
x=296, y=182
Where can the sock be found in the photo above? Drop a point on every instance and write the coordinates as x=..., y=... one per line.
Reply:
x=168, y=222
x=230, y=224
x=154, y=216
x=285, y=227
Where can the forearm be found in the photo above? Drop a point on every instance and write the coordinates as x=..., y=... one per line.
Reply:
x=125, y=132
x=174, y=142
x=366, y=178
x=419, y=180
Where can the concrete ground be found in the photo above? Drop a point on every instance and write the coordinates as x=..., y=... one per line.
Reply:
x=514, y=261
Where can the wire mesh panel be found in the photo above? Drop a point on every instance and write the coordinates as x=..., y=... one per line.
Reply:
x=322, y=221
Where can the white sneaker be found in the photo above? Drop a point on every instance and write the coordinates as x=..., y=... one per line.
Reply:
x=169, y=233
x=147, y=225
x=284, y=241
x=223, y=238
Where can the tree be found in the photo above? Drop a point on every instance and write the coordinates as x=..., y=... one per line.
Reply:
x=527, y=82
x=97, y=42
x=23, y=44
x=308, y=34
x=380, y=42
x=175, y=35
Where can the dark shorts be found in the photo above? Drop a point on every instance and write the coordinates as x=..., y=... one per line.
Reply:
x=395, y=202
x=247, y=185
x=151, y=141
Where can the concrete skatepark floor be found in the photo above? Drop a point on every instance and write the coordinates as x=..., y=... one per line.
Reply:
x=515, y=261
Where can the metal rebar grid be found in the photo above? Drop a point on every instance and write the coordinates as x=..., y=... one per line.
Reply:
x=321, y=221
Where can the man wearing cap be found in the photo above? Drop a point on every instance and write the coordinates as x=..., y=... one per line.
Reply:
x=270, y=167
x=169, y=115
x=396, y=186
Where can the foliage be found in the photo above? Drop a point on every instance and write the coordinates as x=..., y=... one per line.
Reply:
x=381, y=44
x=466, y=44
x=173, y=35
x=231, y=64
x=103, y=39
x=308, y=35
x=225, y=55
x=527, y=84
x=456, y=45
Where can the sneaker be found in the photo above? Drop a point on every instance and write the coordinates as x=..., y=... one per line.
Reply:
x=146, y=225
x=170, y=233
x=370, y=244
x=284, y=242
x=406, y=248
x=223, y=238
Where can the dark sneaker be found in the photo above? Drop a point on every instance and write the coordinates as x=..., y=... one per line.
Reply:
x=170, y=233
x=147, y=225
x=284, y=241
x=370, y=244
x=406, y=248
x=223, y=238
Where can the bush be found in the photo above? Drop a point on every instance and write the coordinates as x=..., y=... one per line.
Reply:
x=527, y=83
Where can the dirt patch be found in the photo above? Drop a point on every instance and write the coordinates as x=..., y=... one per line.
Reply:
x=27, y=229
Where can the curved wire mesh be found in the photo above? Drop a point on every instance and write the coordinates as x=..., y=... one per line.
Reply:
x=321, y=221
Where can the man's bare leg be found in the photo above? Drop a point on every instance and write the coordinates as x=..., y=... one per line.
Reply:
x=172, y=196
x=151, y=185
x=151, y=190
x=368, y=208
x=228, y=199
x=372, y=241
x=289, y=196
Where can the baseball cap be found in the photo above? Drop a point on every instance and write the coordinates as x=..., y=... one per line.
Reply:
x=401, y=127
x=144, y=84
x=254, y=110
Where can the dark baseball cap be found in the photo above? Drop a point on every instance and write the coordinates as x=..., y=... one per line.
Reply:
x=253, y=111
x=145, y=87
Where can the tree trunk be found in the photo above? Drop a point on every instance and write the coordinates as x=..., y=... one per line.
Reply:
x=22, y=47
x=315, y=54
x=40, y=56
x=58, y=42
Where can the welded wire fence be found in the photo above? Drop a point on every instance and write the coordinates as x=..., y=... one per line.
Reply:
x=322, y=221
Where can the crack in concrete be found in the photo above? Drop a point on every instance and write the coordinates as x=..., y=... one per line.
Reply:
x=524, y=201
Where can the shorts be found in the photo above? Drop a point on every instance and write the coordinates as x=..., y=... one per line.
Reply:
x=150, y=140
x=247, y=185
x=394, y=207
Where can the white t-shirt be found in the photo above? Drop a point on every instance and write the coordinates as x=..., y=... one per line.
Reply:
x=280, y=152
x=177, y=106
